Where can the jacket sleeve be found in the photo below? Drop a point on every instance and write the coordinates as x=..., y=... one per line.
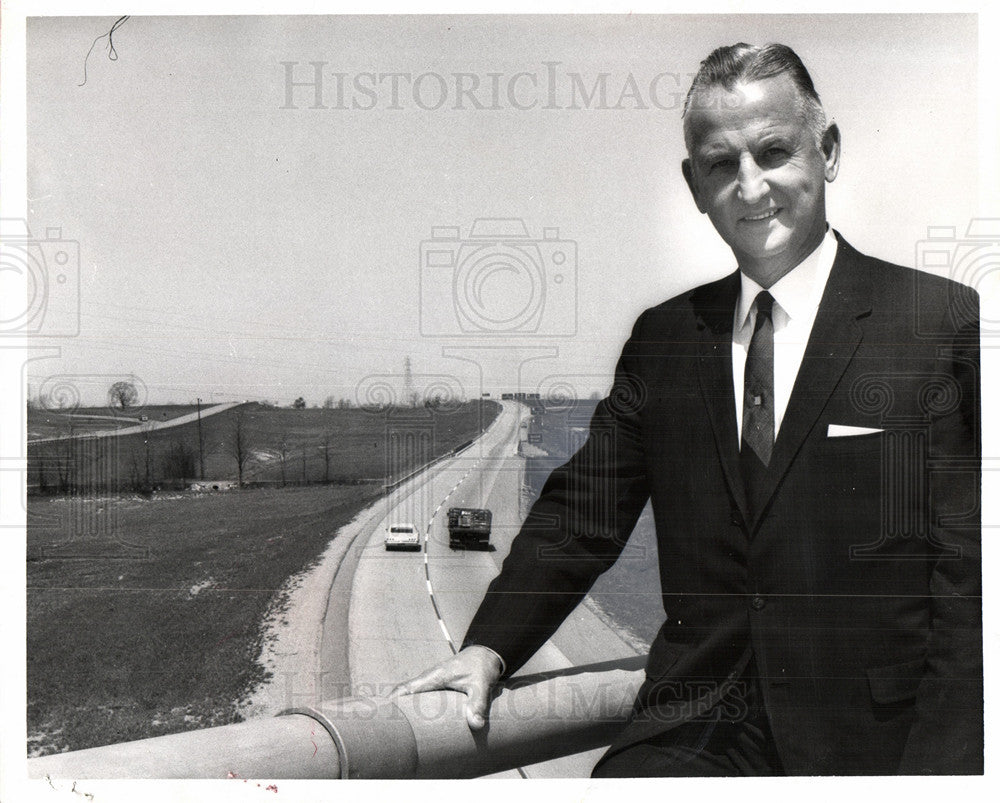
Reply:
x=575, y=530
x=947, y=734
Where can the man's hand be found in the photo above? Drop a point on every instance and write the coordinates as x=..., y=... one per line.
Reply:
x=473, y=671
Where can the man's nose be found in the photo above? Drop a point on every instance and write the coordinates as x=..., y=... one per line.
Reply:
x=751, y=185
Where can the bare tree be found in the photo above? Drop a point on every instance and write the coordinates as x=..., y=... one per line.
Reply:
x=64, y=464
x=283, y=451
x=123, y=394
x=241, y=446
x=327, y=454
x=133, y=472
x=329, y=403
x=179, y=461
x=41, y=458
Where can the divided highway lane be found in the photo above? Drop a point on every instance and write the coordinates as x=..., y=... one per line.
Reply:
x=394, y=629
x=408, y=610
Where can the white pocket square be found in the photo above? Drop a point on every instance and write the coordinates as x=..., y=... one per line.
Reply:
x=845, y=431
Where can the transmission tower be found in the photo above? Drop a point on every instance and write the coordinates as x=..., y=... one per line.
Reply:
x=409, y=394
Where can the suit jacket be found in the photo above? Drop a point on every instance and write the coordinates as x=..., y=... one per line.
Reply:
x=856, y=588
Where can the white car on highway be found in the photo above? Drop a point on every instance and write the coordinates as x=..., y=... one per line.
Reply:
x=402, y=536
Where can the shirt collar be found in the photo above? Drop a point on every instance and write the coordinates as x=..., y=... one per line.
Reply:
x=797, y=294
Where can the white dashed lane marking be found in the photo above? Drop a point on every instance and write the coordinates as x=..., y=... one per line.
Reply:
x=427, y=568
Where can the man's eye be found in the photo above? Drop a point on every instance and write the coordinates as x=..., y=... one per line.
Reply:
x=721, y=164
x=774, y=156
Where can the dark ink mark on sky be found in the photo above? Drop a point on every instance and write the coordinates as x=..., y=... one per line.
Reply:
x=112, y=53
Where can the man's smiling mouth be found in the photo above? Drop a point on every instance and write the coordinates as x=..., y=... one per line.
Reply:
x=762, y=216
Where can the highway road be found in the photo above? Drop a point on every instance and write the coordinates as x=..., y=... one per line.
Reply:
x=405, y=611
x=142, y=428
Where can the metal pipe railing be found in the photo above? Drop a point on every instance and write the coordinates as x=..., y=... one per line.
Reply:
x=415, y=736
x=276, y=747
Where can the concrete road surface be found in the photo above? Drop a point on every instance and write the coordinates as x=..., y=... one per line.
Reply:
x=409, y=610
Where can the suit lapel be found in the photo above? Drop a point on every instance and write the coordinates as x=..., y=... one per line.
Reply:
x=714, y=307
x=835, y=337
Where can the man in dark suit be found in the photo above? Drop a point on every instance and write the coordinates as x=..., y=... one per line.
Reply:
x=808, y=432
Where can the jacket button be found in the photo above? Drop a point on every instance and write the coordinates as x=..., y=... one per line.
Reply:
x=734, y=517
x=757, y=602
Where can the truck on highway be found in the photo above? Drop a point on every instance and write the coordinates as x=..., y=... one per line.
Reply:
x=469, y=527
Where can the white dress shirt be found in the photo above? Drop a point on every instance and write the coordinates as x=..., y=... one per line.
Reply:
x=796, y=300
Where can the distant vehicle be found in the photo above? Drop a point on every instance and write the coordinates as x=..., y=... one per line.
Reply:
x=144, y=417
x=469, y=527
x=402, y=536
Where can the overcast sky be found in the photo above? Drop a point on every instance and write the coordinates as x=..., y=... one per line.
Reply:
x=231, y=247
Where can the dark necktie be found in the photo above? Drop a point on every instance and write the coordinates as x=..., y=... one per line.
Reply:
x=758, y=401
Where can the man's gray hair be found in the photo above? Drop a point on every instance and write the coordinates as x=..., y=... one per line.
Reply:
x=726, y=66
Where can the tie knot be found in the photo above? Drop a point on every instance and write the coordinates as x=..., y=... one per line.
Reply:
x=765, y=303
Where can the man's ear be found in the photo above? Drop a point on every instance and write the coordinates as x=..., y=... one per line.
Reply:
x=831, y=151
x=688, y=170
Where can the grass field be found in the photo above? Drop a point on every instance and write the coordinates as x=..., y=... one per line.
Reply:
x=270, y=445
x=145, y=612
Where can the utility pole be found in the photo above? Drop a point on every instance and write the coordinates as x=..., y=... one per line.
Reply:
x=149, y=457
x=201, y=447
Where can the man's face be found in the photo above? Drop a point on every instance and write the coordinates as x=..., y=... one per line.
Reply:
x=756, y=171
